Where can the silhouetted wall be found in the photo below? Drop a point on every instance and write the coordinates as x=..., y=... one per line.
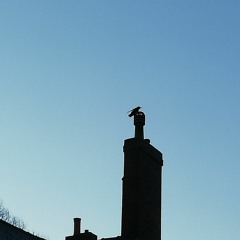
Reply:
x=141, y=200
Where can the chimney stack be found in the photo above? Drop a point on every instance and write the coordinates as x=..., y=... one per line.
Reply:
x=77, y=235
x=77, y=226
x=142, y=183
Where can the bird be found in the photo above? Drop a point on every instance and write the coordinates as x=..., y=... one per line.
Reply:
x=134, y=111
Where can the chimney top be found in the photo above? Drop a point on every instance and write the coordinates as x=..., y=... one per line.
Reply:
x=139, y=122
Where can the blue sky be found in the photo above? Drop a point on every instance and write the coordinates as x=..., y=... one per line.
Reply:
x=70, y=71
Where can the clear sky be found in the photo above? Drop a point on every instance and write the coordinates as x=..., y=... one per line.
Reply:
x=70, y=71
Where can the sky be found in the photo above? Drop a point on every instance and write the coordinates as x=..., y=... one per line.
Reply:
x=70, y=71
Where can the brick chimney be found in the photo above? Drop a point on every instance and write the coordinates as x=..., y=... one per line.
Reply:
x=142, y=181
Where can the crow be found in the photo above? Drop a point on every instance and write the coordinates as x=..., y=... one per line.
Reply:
x=134, y=111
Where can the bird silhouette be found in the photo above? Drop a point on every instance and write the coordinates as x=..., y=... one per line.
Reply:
x=134, y=111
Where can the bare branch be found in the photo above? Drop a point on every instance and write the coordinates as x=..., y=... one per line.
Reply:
x=7, y=217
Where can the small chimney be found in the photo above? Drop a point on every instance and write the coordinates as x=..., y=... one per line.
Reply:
x=77, y=226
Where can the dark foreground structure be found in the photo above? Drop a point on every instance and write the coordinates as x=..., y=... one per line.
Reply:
x=10, y=232
x=142, y=187
x=141, y=201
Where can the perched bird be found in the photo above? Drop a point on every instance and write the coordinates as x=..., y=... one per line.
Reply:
x=134, y=111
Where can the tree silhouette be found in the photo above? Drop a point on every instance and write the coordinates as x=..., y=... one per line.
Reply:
x=7, y=217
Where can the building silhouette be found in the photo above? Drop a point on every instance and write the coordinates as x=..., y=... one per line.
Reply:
x=141, y=194
x=10, y=232
x=141, y=190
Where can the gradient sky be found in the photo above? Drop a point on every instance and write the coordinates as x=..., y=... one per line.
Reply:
x=70, y=71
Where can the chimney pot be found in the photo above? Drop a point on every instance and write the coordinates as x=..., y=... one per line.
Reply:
x=139, y=122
